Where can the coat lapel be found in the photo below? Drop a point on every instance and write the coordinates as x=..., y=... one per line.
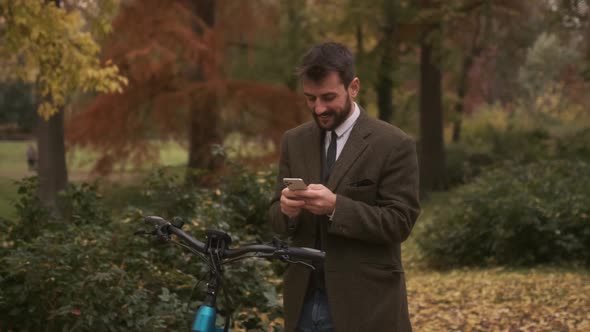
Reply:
x=355, y=145
x=313, y=154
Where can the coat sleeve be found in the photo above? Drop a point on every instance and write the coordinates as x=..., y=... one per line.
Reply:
x=397, y=205
x=280, y=223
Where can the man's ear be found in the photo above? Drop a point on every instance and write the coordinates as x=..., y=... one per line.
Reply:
x=353, y=87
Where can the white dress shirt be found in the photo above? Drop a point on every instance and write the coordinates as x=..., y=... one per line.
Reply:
x=343, y=132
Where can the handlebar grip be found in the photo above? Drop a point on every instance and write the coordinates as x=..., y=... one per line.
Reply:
x=155, y=220
x=306, y=253
x=192, y=242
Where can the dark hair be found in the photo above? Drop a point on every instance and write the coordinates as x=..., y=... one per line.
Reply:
x=324, y=58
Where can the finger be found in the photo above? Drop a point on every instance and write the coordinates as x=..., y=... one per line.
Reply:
x=307, y=194
x=288, y=192
x=291, y=212
x=291, y=202
x=313, y=210
x=316, y=186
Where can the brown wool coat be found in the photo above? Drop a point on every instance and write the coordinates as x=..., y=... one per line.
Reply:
x=376, y=182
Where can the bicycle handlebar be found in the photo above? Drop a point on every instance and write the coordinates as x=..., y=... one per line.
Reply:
x=278, y=251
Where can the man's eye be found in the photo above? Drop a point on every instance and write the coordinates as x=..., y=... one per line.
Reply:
x=329, y=98
x=311, y=99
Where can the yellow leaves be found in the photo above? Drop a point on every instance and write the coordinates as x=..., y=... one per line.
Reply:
x=495, y=300
x=46, y=110
x=105, y=79
x=56, y=48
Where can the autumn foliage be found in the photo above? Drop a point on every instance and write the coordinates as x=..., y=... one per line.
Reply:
x=172, y=53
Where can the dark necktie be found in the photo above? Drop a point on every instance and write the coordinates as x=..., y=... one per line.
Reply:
x=317, y=282
x=330, y=156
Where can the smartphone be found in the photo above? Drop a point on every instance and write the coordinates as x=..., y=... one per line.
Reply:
x=294, y=183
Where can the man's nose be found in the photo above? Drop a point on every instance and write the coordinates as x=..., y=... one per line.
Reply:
x=319, y=108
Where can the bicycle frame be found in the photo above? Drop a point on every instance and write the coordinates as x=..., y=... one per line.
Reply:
x=206, y=315
x=216, y=251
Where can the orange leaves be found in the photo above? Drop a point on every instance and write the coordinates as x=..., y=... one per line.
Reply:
x=172, y=53
x=497, y=300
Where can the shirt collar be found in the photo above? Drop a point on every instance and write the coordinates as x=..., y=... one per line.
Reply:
x=347, y=125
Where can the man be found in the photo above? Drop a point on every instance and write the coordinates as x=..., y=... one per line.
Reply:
x=360, y=204
x=31, y=157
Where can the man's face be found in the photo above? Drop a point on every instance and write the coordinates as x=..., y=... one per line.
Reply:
x=329, y=101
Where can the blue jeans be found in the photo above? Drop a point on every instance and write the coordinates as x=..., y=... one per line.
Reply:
x=315, y=314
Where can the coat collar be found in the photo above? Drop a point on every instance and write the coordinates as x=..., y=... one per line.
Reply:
x=355, y=145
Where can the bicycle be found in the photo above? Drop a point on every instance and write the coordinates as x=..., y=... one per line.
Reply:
x=216, y=253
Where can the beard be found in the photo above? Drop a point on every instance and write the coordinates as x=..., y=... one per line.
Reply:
x=339, y=116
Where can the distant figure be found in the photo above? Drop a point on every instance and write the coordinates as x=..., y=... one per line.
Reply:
x=32, y=157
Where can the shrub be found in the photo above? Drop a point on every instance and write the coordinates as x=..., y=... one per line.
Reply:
x=166, y=196
x=465, y=162
x=493, y=136
x=574, y=145
x=86, y=270
x=514, y=215
x=29, y=209
x=82, y=204
x=90, y=277
x=248, y=194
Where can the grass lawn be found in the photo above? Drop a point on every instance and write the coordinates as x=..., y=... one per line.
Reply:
x=13, y=166
x=7, y=198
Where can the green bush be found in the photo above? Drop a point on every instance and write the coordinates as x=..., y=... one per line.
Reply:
x=91, y=277
x=30, y=212
x=574, y=145
x=248, y=194
x=166, y=196
x=82, y=204
x=493, y=136
x=465, y=162
x=515, y=215
x=87, y=271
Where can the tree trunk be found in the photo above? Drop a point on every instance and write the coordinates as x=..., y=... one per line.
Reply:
x=384, y=84
x=432, y=161
x=293, y=36
x=52, y=170
x=204, y=123
x=360, y=60
x=476, y=49
x=203, y=136
x=461, y=92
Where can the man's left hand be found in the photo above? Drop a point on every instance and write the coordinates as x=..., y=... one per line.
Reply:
x=318, y=199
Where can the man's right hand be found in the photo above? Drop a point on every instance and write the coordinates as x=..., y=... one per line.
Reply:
x=290, y=204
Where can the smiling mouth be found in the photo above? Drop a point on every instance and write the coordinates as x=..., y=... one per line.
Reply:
x=325, y=115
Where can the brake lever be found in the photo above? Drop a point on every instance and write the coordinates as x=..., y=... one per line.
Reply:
x=282, y=245
x=284, y=259
x=279, y=244
x=163, y=235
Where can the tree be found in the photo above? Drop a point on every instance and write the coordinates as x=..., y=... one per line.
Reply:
x=388, y=61
x=173, y=54
x=475, y=43
x=475, y=29
x=204, y=130
x=46, y=45
x=432, y=153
